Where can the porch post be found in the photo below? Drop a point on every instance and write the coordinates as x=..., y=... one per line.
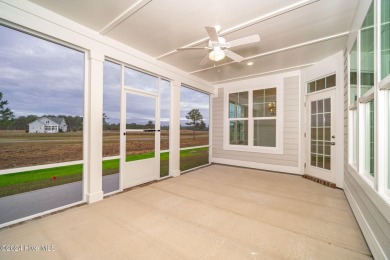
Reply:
x=174, y=129
x=93, y=132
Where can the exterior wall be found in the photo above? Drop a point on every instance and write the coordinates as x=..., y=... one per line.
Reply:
x=63, y=126
x=285, y=162
x=370, y=209
x=36, y=127
x=39, y=126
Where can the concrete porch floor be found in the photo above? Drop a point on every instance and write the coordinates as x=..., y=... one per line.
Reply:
x=217, y=212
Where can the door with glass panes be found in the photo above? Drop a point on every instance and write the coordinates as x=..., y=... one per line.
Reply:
x=140, y=155
x=320, y=138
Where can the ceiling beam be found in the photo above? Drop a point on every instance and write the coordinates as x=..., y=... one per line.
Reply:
x=264, y=73
x=251, y=22
x=123, y=16
x=327, y=38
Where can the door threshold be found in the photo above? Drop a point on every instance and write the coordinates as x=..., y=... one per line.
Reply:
x=320, y=181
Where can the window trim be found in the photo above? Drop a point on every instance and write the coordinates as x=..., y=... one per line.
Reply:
x=278, y=149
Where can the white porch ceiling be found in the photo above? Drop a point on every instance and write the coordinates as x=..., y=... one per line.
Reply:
x=294, y=33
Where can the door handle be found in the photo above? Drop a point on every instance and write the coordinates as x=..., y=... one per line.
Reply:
x=151, y=130
x=332, y=143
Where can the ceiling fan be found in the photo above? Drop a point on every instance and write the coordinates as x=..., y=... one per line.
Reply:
x=219, y=46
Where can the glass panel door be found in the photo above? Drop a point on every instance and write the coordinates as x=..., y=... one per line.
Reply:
x=321, y=136
x=141, y=139
x=320, y=129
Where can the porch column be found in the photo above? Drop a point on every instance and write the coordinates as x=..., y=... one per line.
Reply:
x=93, y=129
x=174, y=130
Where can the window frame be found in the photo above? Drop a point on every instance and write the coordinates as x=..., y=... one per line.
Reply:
x=278, y=149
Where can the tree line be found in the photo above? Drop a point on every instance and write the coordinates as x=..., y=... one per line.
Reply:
x=75, y=123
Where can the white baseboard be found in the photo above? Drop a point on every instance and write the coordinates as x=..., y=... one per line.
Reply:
x=255, y=165
x=369, y=235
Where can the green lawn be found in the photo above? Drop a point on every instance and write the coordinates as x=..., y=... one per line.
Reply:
x=37, y=179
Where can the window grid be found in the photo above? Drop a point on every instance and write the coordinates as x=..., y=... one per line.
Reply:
x=320, y=133
x=321, y=84
x=255, y=109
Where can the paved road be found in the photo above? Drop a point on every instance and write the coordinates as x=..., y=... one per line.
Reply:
x=34, y=202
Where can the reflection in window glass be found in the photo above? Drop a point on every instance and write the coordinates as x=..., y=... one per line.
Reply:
x=194, y=128
x=42, y=85
x=385, y=38
x=367, y=52
x=111, y=127
x=369, y=139
x=353, y=74
x=264, y=102
x=238, y=105
x=238, y=132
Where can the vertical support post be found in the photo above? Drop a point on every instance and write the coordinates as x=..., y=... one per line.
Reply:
x=94, y=110
x=174, y=130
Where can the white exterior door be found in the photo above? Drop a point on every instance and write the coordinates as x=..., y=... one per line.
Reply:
x=321, y=137
x=140, y=139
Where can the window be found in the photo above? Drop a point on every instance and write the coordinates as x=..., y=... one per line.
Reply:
x=165, y=96
x=321, y=84
x=264, y=112
x=369, y=139
x=353, y=74
x=194, y=128
x=253, y=120
x=353, y=113
x=369, y=99
x=355, y=138
x=385, y=38
x=43, y=83
x=388, y=142
x=111, y=125
x=238, y=109
x=367, y=52
x=362, y=113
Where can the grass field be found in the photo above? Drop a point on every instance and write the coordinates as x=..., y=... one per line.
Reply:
x=20, y=149
x=37, y=179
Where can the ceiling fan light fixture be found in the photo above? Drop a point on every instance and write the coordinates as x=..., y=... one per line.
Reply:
x=217, y=54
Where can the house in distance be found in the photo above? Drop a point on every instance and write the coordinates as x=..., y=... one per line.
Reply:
x=48, y=125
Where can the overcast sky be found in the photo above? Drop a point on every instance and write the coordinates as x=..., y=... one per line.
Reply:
x=39, y=77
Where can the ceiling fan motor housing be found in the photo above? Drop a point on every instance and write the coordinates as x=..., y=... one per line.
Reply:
x=221, y=43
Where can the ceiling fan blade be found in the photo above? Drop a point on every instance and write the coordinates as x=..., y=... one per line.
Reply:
x=205, y=60
x=192, y=48
x=212, y=32
x=234, y=56
x=244, y=40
